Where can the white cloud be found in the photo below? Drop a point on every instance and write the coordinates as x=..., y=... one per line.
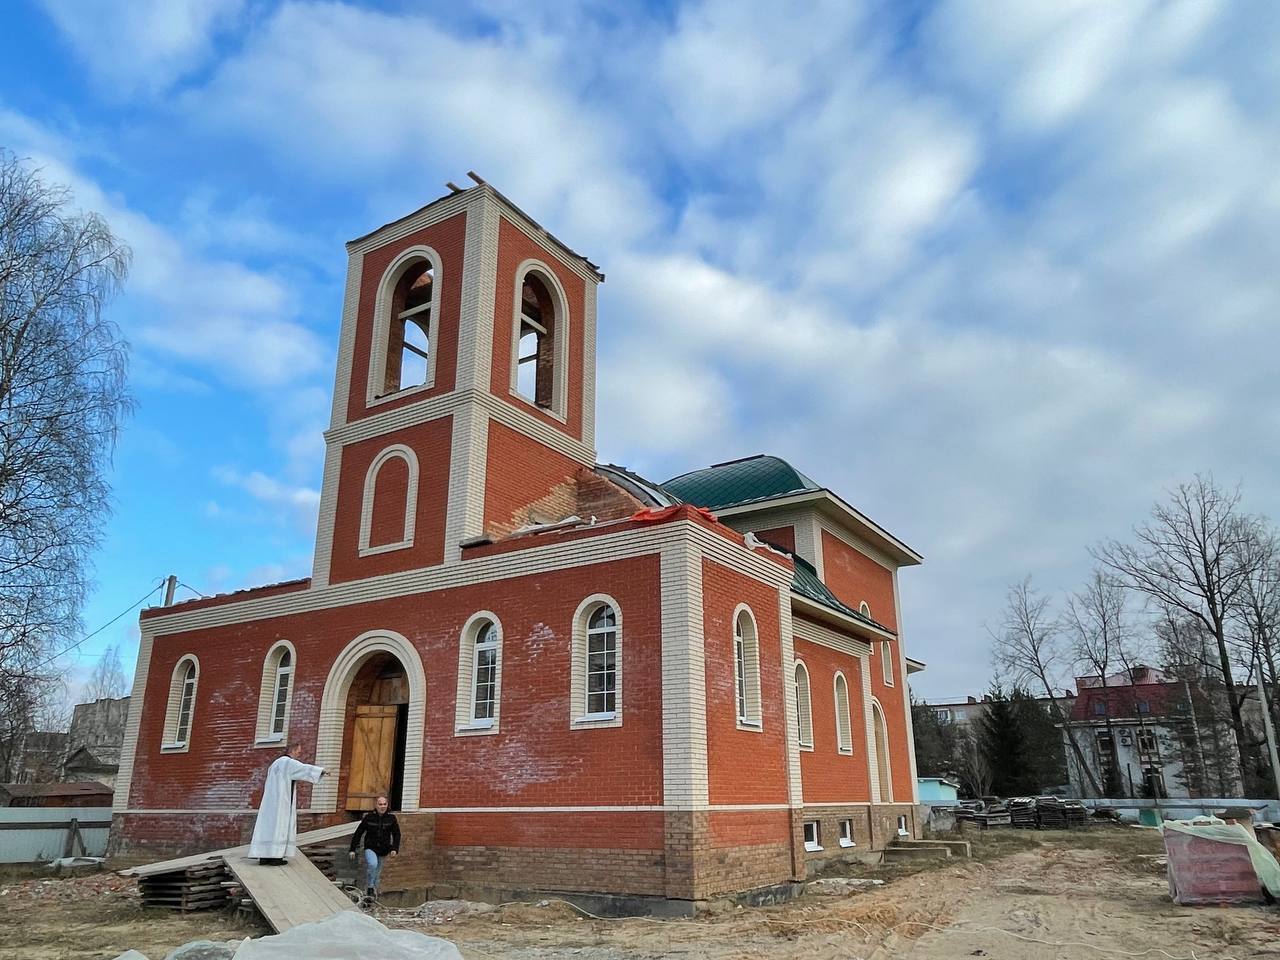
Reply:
x=135, y=46
x=998, y=276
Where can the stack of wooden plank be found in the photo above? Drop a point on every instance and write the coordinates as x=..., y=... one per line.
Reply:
x=1075, y=812
x=1022, y=812
x=196, y=887
x=1050, y=813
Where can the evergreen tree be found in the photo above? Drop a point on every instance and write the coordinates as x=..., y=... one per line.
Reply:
x=935, y=742
x=1002, y=743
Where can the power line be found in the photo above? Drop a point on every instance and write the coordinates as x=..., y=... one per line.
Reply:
x=133, y=606
x=193, y=590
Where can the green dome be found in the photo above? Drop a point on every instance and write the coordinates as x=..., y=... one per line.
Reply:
x=761, y=477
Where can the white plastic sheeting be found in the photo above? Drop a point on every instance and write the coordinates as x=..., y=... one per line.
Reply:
x=1211, y=828
x=344, y=936
x=347, y=936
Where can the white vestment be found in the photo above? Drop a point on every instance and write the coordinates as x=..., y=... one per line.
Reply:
x=276, y=832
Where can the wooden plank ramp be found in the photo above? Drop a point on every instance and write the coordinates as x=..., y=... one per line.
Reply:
x=289, y=895
x=336, y=832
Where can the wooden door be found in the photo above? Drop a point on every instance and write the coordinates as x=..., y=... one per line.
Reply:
x=373, y=752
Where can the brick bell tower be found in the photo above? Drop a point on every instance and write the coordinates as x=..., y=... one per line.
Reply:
x=464, y=400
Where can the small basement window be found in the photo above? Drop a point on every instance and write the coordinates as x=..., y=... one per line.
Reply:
x=812, y=835
x=846, y=833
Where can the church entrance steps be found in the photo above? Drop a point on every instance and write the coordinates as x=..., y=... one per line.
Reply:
x=958, y=848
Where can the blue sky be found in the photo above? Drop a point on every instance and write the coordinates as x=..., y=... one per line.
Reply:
x=999, y=273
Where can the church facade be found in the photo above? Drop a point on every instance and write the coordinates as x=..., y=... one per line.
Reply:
x=565, y=676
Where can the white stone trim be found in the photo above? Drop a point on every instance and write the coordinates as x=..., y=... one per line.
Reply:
x=906, y=695
x=378, y=354
x=267, y=695
x=445, y=404
x=579, y=718
x=434, y=213
x=873, y=772
x=589, y=297
x=347, y=340
x=333, y=708
x=844, y=743
x=562, y=336
x=684, y=679
x=831, y=639
x=468, y=475
x=479, y=289
x=464, y=724
x=804, y=717
x=877, y=710
x=786, y=643
x=754, y=720
x=133, y=722
x=169, y=738
x=405, y=453
x=538, y=558
x=326, y=516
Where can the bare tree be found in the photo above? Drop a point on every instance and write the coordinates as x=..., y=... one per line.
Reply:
x=1027, y=647
x=1098, y=631
x=62, y=397
x=1195, y=555
x=107, y=680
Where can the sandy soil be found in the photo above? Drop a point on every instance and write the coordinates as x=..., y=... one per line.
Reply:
x=1093, y=894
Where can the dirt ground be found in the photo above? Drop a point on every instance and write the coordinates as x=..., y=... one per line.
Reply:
x=1084, y=894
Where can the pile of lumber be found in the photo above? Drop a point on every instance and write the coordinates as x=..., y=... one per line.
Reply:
x=1022, y=812
x=197, y=887
x=1050, y=814
x=1075, y=813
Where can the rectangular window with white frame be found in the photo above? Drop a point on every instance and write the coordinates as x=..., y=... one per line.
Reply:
x=846, y=833
x=812, y=836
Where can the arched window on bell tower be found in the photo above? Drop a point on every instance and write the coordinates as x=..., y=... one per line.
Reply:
x=541, y=328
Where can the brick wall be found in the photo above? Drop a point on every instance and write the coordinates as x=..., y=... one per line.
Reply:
x=514, y=247
x=448, y=239
x=743, y=766
x=431, y=442
x=829, y=776
x=855, y=577
x=784, y=537
x=535, y=759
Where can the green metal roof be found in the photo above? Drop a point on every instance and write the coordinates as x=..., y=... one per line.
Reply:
x=806, y=583
x=761, y=477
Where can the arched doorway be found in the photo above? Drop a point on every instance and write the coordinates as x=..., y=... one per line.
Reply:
x=883, y=775
x=371, y=726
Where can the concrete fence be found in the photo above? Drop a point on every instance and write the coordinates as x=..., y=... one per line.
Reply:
x=41, y=834
x=1184, y=808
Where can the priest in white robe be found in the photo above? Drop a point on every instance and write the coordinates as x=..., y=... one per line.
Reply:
x=275, y=835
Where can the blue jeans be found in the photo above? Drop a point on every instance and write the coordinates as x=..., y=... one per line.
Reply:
x=372, y=868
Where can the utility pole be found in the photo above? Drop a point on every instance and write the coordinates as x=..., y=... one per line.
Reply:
x=170, y=585
x=1268, y=728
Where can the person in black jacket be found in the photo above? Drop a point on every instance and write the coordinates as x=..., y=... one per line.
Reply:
x=381, y=835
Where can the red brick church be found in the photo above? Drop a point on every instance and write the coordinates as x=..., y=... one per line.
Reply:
x=567, y=677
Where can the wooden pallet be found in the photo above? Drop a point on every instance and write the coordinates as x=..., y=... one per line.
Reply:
x=187, y=889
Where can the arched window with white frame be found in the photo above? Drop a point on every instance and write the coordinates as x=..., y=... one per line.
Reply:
x=388, y=519
x=479, y=697
x=540, y=339
x=181, y=707
x=746, y=669
x=804, y=706
x=406, y=325
x=275, y=697
x=596, y=685
x=844, y=726
x=886, y=662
